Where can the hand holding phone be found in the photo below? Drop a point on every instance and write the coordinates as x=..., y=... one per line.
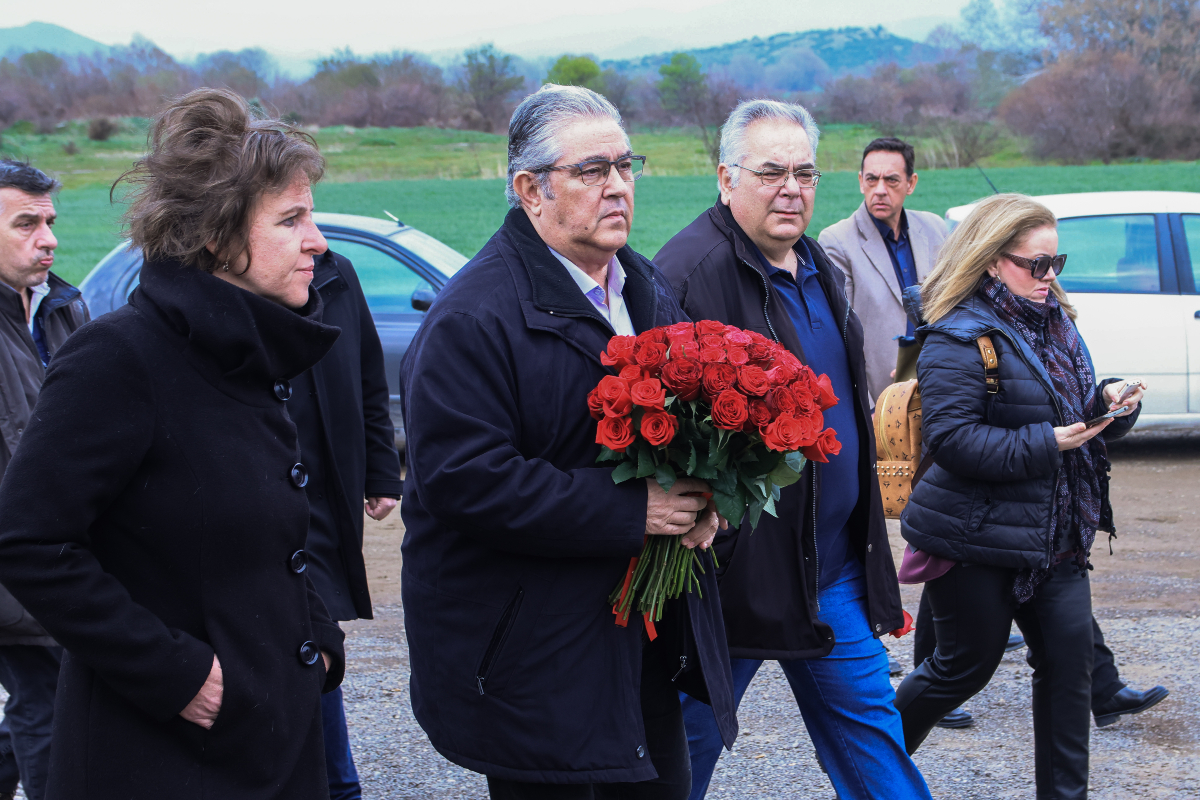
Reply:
x=1126, y=393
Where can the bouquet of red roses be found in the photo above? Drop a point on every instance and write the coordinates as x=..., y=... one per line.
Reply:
x=714, y=402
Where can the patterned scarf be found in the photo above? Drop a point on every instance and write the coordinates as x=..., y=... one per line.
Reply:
x=1075, y=512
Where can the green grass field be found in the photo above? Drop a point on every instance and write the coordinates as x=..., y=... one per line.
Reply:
x=465, y=213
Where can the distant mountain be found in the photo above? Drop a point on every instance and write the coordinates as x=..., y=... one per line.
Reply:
x=44, y=36
x=797, y=61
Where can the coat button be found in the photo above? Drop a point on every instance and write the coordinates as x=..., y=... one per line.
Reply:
x=309, y=653
x=641, y=751
x=298, y=562
x=283, y=390
x=870, y=547
x=299, y=475
x=878, y=627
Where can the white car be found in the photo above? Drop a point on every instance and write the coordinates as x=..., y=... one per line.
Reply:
x=1134, y=276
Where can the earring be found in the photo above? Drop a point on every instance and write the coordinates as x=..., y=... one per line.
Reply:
x=225, y=268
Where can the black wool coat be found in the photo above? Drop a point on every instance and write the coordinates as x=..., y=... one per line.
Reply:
x=515, y=536
x=769, y=578
x=987, y=497
x=148, y=521
x=356, y=427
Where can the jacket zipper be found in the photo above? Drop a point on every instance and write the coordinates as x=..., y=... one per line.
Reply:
x=682, y=667
x=766, y=299
x=503, y=627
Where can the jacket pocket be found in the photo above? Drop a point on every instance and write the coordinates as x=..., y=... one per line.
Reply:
x=503, y=628
x=980, y=506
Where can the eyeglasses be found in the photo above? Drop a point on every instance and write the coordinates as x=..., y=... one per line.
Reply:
x=1041, y=265
x=595, y=172
x=806, y=177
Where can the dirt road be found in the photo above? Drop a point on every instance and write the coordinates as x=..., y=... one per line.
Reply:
x=1146, y=596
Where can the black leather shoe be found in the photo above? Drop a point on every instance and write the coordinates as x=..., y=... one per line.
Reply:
x=1015, y=642
x=958, y=718
x=1127, y=701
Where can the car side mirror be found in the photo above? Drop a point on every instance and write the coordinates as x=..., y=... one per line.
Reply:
x=422, y=298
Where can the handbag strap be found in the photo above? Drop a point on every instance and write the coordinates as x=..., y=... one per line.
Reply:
x=991, y=375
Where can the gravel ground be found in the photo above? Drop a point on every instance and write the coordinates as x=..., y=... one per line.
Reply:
x=1146, y=597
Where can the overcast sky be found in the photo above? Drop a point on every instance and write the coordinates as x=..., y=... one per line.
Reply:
x=528, y=28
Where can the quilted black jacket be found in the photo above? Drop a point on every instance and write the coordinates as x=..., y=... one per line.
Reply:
x=986, y=498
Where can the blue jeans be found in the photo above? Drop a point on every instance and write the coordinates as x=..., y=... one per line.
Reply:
x=339, y=761
x=846, y=701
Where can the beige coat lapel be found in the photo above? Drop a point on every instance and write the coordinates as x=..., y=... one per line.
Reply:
x=919, y=242
x=876, y=250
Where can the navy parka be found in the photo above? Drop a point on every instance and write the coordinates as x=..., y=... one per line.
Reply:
x=986, y=498
x=514, y=536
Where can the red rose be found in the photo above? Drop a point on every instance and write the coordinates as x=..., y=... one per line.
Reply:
x=614, y=396
x=825, y=396
x=753, y=381
x=712, y=340
x=658, y=427
x=826, y=445
x=712, y=355
x=595, y=404
x=707, y=326
x=651, y=355
x=738, y=338
x=682, y=376
x=781, y=400
x=759, y=351
x=615, y=433
x=632, y=374
x=681, y=330
x=685, y=350
x=738, y=356
x=785, y=434
x=760, y=413
x=619, y=352
x=729, y=410
x=781, y=375
x=718, y=378
x=648, y=393
x=657, y=335
x=806, y=401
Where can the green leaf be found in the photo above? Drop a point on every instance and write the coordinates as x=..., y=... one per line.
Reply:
x=784, y=473
x=725, y=482
x=624, y=471
x=666, y=476
x=730, y=507
x=608, y=455
x=691, y=464
x=757, y=489
x=753, y=513
x=704, y=471
x=795, y=460
x=645, y=465
x=769, y=507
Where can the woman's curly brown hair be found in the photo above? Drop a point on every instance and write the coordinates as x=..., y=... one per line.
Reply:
x=209, y=161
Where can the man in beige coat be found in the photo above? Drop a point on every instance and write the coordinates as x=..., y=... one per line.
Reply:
x=883, y=248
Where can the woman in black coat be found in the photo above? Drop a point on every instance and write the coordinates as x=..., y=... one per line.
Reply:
x=154, y=517
x=1002, y=525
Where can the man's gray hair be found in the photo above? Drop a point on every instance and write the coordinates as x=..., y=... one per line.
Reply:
x=733, y=132
x=537, y=122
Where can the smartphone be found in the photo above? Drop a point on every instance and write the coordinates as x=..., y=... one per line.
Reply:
x=1129, y=389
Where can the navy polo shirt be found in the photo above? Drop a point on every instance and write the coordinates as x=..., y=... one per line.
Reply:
x=901, y=254
x=820, y=335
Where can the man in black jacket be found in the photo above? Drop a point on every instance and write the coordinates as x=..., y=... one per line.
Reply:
x=347, y=441
x=38, y=311
x=514, y=535
x=815, y=587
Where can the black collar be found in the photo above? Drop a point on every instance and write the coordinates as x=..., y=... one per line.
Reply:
x=555, y=292
x=239, y=341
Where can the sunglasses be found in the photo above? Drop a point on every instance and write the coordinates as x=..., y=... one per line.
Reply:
x=1041, y=265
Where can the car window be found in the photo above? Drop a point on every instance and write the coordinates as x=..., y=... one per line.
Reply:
x=1191, y=231
x=387, y=281
x=1109, y=254
x=444, y=258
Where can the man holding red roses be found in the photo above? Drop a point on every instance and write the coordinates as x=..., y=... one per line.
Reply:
x=514, y=535
x=815, y=587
